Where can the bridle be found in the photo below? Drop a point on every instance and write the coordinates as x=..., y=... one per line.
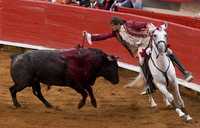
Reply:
x=152, y=41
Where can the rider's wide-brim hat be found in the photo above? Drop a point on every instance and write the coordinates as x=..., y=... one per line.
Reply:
x=117, y=20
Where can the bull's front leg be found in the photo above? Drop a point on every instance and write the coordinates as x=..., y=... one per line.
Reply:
x=92, y=98
x=84, y=94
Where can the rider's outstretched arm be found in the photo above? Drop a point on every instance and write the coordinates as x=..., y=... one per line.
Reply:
x=97, y=37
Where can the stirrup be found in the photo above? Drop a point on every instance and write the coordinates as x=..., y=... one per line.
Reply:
x=188, y=77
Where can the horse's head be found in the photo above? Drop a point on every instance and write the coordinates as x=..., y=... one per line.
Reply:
x=159, y=38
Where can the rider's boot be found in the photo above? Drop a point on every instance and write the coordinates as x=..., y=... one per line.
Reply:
x=188, y=75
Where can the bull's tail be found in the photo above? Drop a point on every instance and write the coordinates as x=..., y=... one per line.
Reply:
x=13, y=56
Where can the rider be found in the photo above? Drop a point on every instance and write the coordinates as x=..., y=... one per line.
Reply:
x=133, y=35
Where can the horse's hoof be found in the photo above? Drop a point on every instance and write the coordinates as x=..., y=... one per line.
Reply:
x=153, y=103
x=188, y=118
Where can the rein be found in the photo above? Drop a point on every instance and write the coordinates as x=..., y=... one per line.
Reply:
x=150, y=45
x=83, y=42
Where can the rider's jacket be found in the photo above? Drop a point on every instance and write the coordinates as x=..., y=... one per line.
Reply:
x=131, y=35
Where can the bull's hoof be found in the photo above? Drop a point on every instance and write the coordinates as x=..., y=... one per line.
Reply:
x=48, y=105
x=57, y=108
x=81, y=104
x=94, y=103
x=17, y=105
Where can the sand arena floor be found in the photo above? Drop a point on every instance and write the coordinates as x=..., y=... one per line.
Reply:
x=117, y=107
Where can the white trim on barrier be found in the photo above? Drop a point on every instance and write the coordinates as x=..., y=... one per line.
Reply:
x=193, y=86
x=24, y=45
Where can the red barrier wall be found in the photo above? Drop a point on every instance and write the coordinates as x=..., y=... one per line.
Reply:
x=184, y=20
x=60, y=26
x=1, y=7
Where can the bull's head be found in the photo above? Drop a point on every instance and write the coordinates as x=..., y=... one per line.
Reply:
x=109, y=69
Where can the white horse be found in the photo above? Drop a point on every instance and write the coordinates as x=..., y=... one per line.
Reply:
x=163, y=73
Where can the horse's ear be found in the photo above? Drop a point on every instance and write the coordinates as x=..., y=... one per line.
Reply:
x=164, y=26
x=151, y=27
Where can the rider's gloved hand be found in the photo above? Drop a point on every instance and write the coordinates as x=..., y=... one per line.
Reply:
x=148, y=51
x=87, y=36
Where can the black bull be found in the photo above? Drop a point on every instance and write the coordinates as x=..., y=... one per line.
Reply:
x=77, y=68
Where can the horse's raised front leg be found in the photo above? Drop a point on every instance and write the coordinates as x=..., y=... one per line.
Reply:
x=170, y=98
x=180, y=101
